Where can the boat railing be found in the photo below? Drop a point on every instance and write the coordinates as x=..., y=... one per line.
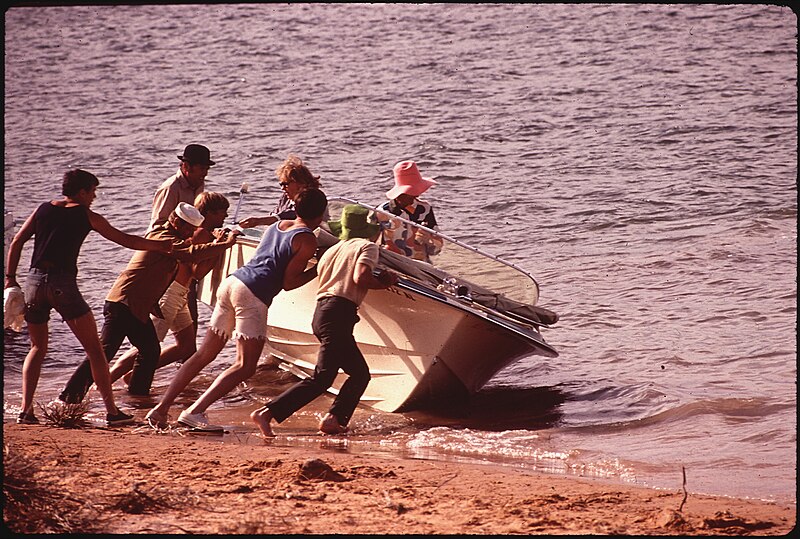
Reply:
x=463, y=261
x=458, y=270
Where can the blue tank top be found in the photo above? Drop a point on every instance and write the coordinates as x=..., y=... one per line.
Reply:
x=263, y=274
x=58, y=235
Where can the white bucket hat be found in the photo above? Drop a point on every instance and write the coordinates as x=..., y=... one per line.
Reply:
x=189, y=213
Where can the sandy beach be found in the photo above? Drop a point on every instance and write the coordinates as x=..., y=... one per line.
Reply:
x=132, y=480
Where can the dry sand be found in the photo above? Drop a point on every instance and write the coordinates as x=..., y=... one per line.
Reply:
x=131, y=480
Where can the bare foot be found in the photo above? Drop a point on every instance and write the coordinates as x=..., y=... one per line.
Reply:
x=330, y=425
x=126, y=378
x=262, y=417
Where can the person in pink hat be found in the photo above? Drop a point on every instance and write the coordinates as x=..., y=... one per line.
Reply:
x=404, y=202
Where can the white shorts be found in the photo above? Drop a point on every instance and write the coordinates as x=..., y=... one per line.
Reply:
x=238, y=312
x=175, y=308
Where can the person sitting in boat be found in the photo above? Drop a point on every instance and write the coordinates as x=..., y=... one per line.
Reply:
x=345, y=277
x=174, y=304
x=404, y=202
x=59, y=229
x=293, y=178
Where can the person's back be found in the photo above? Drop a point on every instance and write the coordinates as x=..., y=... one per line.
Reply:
x=264, y=272
x=336, y=269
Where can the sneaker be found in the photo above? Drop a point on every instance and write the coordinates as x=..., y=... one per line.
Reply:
x=118, y=419
x=330, y=425
x=198, y=422
x=27, y=419
x=156, y=419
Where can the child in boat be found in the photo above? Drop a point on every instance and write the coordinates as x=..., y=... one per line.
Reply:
x=345, y=277
x=404, y=202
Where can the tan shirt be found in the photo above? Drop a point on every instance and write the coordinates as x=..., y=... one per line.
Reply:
x=149, y=273
x=175, y=189
x=337, y=268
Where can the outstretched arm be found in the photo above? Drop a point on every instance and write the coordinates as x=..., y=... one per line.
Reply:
x=304, y=246
x=201, y=236
x=250, y=222
x=104, y=228
x=15, y=250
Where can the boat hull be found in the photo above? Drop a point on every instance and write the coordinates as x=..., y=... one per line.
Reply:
x=424, y=348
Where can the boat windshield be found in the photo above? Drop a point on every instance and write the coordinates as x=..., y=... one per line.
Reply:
x=463, y=264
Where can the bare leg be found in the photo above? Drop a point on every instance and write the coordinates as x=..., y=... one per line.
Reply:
x=32, y=367
x=185, y=346
x=123, y=365
x=85, y=329
x=248, y=352
x=262, y=417
x=208, y=352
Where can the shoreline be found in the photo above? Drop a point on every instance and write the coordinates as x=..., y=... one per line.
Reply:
x=133, y=480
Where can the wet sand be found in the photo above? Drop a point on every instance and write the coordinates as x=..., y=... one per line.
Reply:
x=133, y=480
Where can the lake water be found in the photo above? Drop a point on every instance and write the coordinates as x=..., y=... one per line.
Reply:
x=639, y=160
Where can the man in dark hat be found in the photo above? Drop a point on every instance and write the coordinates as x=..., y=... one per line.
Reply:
x=184, y=186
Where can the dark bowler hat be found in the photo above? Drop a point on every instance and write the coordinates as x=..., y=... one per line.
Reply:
x=195, y=154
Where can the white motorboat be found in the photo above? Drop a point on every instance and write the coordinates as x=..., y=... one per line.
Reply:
x=434, y=338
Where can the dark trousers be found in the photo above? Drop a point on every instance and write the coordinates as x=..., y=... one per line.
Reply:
x=191, y=301
x=333, y=323
x=119, y=323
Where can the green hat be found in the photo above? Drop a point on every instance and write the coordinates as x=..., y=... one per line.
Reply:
x=353, y=224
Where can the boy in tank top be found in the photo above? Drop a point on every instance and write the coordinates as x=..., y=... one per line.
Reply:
x=241, y=310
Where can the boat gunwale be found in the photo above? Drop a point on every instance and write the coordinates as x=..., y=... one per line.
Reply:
x=482, y=312
x=460, y=243
x=518, y=328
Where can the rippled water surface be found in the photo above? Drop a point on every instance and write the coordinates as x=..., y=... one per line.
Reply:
x=639, y=160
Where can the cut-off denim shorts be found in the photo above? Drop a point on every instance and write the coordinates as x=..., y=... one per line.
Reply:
x=238, y=312
x=46, y=291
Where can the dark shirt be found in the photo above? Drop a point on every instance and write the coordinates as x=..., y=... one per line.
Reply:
x=285, y=208
x=419, y=212
x=59, y=233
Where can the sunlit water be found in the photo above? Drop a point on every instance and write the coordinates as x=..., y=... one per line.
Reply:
x=639, y=160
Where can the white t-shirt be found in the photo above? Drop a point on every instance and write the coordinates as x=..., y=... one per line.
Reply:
x=337, y=268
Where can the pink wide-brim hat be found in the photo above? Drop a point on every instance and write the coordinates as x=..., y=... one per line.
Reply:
x=407, y=179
